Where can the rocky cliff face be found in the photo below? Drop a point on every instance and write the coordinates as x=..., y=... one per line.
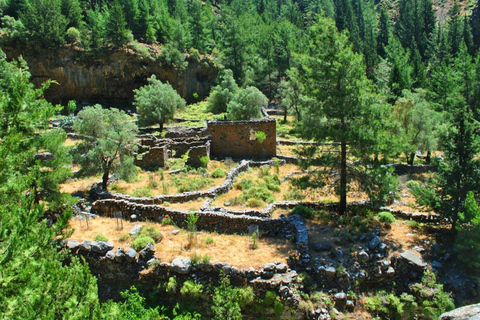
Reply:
x=110, y=76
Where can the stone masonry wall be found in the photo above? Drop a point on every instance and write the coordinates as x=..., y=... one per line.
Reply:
x=154, y=157
x=237, y=139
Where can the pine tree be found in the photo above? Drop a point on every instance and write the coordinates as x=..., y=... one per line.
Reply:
x=116, y=32
x=334, y=77
x=37, y=279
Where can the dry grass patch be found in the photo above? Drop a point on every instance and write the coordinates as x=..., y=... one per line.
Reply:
x=233, y=249
x=75, y=185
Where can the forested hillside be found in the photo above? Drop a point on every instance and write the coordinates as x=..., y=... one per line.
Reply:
x=384, y=79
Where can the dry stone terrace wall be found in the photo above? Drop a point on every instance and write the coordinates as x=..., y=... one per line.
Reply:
x=237, y=139
x=120, y=269
x=207, y=220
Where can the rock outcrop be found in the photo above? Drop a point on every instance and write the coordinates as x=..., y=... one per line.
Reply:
x=471, y=312
x=110, y=75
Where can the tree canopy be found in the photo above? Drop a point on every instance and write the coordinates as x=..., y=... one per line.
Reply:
x=157, y=102
x=345, y=109
x=109, y=142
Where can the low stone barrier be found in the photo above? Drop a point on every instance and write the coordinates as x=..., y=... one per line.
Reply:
x=122, y=268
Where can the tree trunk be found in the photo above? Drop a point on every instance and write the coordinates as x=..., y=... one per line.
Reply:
x=343, y=178
x=105, y=179
x=284, y=114
x=161, y=126
x=411, y=158
x=428, y=158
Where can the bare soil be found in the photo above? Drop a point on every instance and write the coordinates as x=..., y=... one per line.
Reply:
x=234, y=249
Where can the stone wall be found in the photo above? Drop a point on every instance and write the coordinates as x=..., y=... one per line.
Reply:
x=236, y=139
x=153, y=158
x=120, y=269
x=197, y=153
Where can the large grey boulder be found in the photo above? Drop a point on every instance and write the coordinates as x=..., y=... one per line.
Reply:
x=135, y=230
x=471, y=312
x=101, y=247
x=73, y=244
x=413, y=259
x=181, y=265
x=147, y=253
x=130, y=255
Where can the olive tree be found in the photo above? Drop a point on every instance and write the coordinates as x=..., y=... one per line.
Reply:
x=246, y=104
x=156, y=102
x=109, y=142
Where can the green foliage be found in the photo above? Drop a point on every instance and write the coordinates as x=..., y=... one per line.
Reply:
x=428, y=301
x=228, y=301
x=109, y=142
x=261, y=136
x=204, y=160
x=246, y=104
x=294, y=194
x=44, y=21
x=222, y=94
x=100, y=237
x=141, y=241
x=192, y=290
x=171, y=286
x=468, y=233
x=116, y=31
x=72, y=35
x=152, y=232
x=333, y=75
x=218, y=173
x=157, y=102
x=386, y=217
x=12, y=29
x=133, y=307
x=416, y=122
x=36, y=282
x=142, y=192
x=209, y=241
x=191, y=222
x=304, y=212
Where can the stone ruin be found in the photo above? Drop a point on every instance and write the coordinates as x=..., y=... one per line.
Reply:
x=220, y=139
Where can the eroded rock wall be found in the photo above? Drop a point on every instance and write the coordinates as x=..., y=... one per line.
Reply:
x=109, y=76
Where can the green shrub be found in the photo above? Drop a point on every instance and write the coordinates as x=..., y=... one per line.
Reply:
x=219, y=173
x=204, y=160
x=413, y=224
x=184, y=183
x=304, y=212
x=294, y=194
x=141, y=241
x=261, y=136
x=259, y=192
x=142, y=192
x=209, y=240
x=124, y=237
x=192, y=289
x=244, y=184
x=195, y=259
x=206, y=258
x=171, y=286
x=255, y=203
x=100, y=237
x=428, y=300
x=151, y=232
x=386, y=217
x=72, y=35
x=468, y=233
